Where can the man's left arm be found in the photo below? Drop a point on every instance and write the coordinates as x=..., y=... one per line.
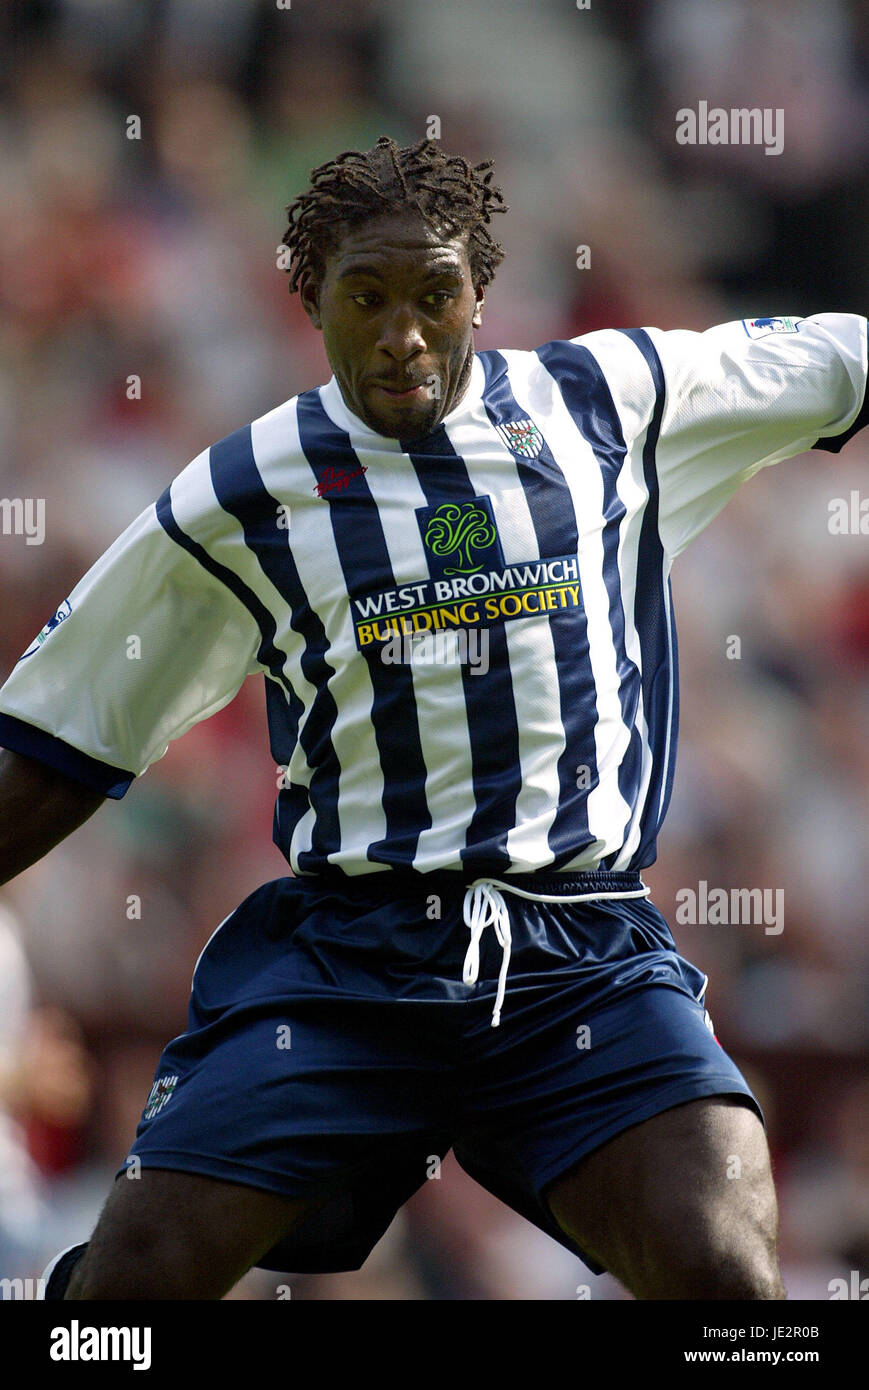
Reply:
x=744, y=395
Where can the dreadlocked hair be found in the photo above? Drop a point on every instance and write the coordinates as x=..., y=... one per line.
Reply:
x=444, y=189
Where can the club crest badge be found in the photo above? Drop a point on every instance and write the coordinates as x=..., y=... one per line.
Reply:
x=161, y=1094
x=522, y=437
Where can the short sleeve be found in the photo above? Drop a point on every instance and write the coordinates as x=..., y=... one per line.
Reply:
x=744, y=395
x=149, y=642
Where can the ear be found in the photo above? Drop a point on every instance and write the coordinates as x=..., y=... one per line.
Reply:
x=309, y=294
x=477, y=320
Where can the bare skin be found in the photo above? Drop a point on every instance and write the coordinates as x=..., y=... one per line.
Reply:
x=681, y=1206
x=38, y=808
x=217, y=1232
x=397, y=307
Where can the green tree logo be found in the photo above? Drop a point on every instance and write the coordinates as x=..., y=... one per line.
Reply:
x=460, y=528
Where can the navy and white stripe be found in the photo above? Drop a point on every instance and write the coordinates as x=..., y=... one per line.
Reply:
x=561, y=756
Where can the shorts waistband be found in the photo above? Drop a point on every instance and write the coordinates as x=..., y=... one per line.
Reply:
x=457, y=881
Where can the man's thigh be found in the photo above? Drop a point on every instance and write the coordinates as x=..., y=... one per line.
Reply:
x=680, y=1206
x=174, y=1235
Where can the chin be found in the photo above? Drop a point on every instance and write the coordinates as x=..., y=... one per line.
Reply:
x=411, y=426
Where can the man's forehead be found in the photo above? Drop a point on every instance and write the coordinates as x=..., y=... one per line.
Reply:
x=390, y=241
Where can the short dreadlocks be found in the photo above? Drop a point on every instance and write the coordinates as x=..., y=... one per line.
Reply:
x=445, y=189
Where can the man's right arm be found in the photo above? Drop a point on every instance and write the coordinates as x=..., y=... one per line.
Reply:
x=39, y=807
x=158, y=635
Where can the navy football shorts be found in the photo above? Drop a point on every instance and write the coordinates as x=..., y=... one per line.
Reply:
x=340, y=1037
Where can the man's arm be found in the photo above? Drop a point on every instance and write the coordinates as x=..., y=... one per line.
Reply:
x=158, y=635
x=39, y=807
x=742, y=396
x=709, y=410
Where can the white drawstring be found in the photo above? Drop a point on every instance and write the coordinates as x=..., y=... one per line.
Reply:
x=484, y=906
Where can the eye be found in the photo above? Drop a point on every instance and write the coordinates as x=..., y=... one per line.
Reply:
x=441, y=296
x=364, y=299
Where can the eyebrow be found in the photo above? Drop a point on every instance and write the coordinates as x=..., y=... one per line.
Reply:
x=377, y=272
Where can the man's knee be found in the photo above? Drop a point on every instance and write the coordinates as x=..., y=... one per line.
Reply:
x=723, y=1252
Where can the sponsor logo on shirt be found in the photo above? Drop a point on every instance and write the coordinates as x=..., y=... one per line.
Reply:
x=469, y=585
x=460, y=537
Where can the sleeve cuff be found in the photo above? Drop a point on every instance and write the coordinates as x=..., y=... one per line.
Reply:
x=20, y=737
x=833, y=443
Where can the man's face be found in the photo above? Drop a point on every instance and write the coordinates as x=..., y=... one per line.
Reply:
x=397, y=310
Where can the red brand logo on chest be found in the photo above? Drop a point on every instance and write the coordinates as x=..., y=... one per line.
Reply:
x=334, y=479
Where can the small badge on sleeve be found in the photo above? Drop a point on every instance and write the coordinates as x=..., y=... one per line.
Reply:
x=63, y=612
x=760, y=328
x=161, y=1094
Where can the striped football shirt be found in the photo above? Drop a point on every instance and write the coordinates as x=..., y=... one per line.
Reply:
x=467, y=639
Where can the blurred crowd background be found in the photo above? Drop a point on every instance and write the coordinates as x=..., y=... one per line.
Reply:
x=157, y=257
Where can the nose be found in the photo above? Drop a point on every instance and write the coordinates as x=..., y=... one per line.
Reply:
x=401, y=336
